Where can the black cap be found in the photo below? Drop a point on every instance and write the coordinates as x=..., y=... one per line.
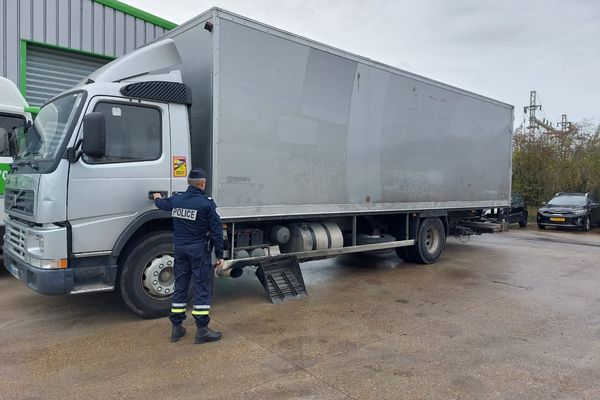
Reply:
x=197, y=174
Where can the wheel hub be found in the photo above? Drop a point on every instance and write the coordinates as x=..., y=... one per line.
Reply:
x=431, y=240
x=159, y=276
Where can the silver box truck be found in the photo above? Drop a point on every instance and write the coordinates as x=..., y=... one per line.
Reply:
x=311, y=152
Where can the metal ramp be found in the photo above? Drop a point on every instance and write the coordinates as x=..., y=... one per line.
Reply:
x=282, y=279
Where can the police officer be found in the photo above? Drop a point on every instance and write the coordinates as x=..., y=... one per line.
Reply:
x=195, y=219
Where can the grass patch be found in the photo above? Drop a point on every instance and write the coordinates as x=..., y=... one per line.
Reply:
x=532, y=213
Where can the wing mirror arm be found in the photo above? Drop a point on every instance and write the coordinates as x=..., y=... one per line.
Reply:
x=73, y=155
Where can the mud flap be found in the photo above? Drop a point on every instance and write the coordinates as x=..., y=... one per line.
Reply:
x=282, y=279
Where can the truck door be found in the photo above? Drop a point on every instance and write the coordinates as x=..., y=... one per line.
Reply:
x=9, y=123
x=105, y=195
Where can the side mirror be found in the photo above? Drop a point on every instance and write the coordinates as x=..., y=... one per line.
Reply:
x=94, y=135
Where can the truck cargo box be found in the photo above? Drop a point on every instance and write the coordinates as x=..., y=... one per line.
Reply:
x=288, y=126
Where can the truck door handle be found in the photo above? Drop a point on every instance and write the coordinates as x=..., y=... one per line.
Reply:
x=163, y=194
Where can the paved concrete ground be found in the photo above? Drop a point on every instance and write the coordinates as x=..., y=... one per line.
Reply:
x=513, y=315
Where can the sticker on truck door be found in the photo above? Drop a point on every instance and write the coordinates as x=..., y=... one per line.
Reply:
x=179, y=166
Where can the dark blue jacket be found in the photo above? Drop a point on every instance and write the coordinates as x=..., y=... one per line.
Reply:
x=194, y=214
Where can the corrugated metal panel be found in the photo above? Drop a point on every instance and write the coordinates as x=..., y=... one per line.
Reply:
x=75, y=25
x=98, y=31
x=11, y=45
x=109, y=31
x=3, y=38
x=51, y=20
x=50, y=72
x=39, y=21
x=84, y=25
x=119, y=33
x=63, y=29
x=25, y=22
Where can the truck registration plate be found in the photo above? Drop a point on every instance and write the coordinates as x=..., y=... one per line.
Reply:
x=557, y=219
x=14, y=271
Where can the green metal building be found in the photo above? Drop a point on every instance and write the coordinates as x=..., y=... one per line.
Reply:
x=47, y=46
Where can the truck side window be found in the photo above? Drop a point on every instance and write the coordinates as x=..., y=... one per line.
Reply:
x=10, y=125
x=133, y=133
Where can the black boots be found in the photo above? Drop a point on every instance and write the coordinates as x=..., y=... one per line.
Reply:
x=204, y=335
x=177, y=333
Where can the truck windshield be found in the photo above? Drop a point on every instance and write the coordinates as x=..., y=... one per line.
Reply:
x=44, y=139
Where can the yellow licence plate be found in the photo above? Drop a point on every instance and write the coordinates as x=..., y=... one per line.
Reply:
x=557, y=219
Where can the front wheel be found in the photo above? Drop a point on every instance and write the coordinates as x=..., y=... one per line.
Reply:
x=541, y=227
x=147, y=276
x=431, y=242
x=586, y=224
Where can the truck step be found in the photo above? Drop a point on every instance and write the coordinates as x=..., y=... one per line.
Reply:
x=282, y=279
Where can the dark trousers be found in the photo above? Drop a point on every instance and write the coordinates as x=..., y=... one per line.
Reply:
x=192, y=262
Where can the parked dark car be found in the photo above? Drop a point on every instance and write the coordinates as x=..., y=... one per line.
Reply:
x=570, y=210
x=516, y=214
x=518, y=210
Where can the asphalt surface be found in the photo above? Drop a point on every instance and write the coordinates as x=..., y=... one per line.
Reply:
x=511, y=316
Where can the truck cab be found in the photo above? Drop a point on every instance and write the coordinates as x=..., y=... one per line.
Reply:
x=14, y=116
x=78, y=193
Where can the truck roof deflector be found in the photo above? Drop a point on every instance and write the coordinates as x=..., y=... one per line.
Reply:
x=10, y=95
x=156, y=56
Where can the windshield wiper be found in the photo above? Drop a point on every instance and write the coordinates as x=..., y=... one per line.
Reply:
x=32, y=163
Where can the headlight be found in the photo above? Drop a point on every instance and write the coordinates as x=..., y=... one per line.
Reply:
x=49, y=264
x=580, y=212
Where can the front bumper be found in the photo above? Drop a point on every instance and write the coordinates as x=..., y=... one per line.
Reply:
x=44, y=281
x=570, y=220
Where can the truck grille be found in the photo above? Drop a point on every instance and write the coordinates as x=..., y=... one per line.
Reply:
x=19, y=201
x=15, y=238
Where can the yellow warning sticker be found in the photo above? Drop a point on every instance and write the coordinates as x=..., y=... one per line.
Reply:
x=179, y=166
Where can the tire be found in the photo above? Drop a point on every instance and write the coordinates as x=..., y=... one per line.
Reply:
x=371, y=239
x=586, y=224
x=431, y=242
x=404, y=254
x=541, y=227
x=523, y=221
x=362, y=239
x=149, y=252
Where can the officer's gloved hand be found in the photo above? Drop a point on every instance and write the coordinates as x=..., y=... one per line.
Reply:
x=219, y=263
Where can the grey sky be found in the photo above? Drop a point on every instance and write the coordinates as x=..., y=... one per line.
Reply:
x=501, y=49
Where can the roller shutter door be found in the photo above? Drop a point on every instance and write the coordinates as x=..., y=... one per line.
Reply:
x=52, y=71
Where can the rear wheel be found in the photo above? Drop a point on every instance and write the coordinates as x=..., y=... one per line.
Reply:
x=523, y=221
x=431, y=242
x=147, y=276
x=404, y=254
